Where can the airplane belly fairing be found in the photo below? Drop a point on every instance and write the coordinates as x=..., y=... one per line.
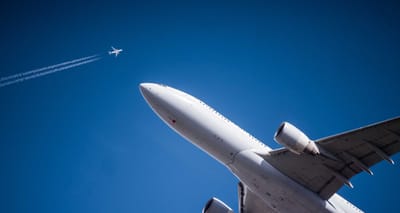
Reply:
x=279, y=192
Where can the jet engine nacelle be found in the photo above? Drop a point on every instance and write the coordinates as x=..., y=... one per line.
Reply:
x=295, y=140
x=216, y=206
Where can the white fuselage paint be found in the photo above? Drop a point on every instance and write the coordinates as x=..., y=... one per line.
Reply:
x=237, y=150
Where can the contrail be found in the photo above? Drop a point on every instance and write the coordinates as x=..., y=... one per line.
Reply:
x=19, y=75
x=55, y=68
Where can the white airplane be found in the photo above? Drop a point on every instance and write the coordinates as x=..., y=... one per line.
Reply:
x=115, y=51
x=301, y=177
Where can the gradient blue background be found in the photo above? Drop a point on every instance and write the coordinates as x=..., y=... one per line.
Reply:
x=84, y=140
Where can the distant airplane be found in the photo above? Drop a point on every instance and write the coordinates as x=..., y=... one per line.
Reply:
x=301, y=177
x=115, y=51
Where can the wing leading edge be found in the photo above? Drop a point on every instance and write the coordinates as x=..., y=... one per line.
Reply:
x=352, y=152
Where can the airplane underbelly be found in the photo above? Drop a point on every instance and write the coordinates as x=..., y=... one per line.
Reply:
x=207, y=140
x=274, y=188
x=209, y=133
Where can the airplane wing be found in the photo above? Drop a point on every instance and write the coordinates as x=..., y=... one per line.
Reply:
x=251, y=203
x=113, y=48
x=349, y=154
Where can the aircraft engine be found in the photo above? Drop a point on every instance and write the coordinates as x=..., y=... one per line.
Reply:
x=295, y=140
x=216, y=206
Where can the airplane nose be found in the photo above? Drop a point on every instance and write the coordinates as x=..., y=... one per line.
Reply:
x=149, y=92
x=145, y=89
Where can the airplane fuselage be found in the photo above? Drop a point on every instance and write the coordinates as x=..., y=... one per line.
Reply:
x=239, y=151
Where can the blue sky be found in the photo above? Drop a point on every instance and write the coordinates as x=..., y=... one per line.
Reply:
x=84, y=140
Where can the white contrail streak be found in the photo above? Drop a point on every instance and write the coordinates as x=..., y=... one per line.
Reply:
x=55, y=69
x=20, y=75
